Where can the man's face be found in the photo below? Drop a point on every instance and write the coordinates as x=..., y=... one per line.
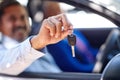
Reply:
x=14, y=23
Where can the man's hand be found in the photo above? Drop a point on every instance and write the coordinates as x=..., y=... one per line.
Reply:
x=53, y=30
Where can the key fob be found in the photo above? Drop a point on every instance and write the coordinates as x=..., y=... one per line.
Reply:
x=71, y=39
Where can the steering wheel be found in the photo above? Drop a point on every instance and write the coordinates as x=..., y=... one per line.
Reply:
x=104, y=54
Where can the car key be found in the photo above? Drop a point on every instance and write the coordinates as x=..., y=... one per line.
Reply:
x=72, y=42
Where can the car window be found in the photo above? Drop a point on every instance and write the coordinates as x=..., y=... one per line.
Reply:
x=79, y=16
x=110, y=4
x=82, y=18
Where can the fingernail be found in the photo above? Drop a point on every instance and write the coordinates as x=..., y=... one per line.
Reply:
x=71, y=27
x=56, y=36
x=51, y=34
x=65, y=29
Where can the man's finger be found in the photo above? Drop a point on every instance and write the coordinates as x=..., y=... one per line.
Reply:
x=51, y=27
x=58, y=26
x=64, y=20
x=65, y=34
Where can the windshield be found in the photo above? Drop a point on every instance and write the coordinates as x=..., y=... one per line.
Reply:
x=113, y=5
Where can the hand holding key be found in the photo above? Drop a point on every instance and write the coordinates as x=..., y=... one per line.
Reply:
x=53, y=30
x=72, y=42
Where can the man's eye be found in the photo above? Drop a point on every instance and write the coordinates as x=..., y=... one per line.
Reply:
x=22, y=17
x=12, y=18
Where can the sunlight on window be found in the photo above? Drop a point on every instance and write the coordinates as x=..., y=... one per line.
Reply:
x=113, y=5
x=91, y=20
x=113, y=8
x=2, y=78
x=66, y=7
x=23, y=2
x=105, y=2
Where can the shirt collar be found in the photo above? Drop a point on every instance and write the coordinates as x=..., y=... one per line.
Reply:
x=9, y=42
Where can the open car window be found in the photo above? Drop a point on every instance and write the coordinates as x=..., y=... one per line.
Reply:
x=91, y=30
x=83, y=18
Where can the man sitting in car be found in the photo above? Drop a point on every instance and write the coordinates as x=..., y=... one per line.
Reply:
x=15, y=28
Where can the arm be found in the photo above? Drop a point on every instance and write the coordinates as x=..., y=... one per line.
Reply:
x=16, y=60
